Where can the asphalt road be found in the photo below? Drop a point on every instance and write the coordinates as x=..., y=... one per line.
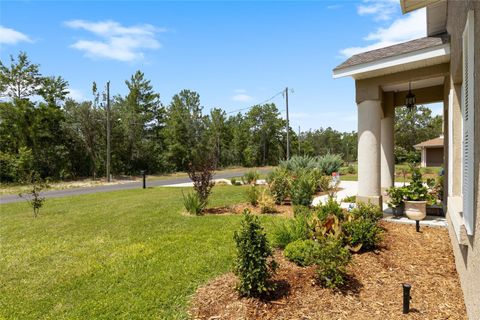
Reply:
x=124, y=186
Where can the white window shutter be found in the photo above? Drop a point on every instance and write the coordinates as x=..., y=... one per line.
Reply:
x=468, y=187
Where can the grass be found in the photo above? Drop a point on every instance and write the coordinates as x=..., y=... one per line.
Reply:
x=119, y=255
x=428, y=172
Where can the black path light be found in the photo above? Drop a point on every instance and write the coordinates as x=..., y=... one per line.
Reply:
x=406, y=297
x=410, y=99
x=142, y=172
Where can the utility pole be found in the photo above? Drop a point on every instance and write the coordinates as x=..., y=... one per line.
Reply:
x=288, y=124
x=108, y=131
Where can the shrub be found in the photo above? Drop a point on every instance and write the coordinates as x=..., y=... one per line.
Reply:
x=233, y=181
x=324, y=183
x=280, y=183
x=193, y=204
x=252, y=194
x=362, y=234
x=330, y=163
x=201, y=172
x=350, y=199
x=291, y=230
x=35, y=199
x=332, y=262
x=302, y=252
x=351, y=169
x=303, y=189
x=367, y=211
x=253, y=263
x=396, y=197
x=330, y=207
x=250, y=177
x=266, y=202
x=298, y=163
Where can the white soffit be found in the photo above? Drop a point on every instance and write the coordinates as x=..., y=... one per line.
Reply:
x=437, y=18
x=412, y=5
x=418, y=84
x=403, y=62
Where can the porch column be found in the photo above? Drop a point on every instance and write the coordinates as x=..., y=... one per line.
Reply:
x=387, y=159
x=369, y=133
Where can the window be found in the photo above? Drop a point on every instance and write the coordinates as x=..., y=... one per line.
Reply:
x=468, y=124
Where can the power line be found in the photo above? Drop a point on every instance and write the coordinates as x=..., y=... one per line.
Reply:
x=263, y=102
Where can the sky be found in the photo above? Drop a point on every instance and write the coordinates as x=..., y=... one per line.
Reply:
x=233, y=53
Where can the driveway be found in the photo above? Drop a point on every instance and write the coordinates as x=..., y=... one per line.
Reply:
x=125, y=186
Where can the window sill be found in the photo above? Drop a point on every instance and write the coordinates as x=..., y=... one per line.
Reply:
x=455, y=212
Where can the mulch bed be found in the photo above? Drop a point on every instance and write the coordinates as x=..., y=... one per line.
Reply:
x=374, y=289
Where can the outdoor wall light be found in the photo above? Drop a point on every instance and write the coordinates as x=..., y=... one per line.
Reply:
x=410, y=99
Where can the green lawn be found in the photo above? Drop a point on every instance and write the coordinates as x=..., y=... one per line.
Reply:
x=119, y=255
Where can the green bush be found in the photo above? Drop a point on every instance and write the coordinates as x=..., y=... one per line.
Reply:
x=254, y=265
x=330, y=163
x=350, y=199
x=193, y=204
x=351, y=169
x=266, y=202
x=324, y=183
x=280, y=183
x=330, y=207
x=367, y=211
x=303, y=189
x=332, y=261
x=252, y=194
x=302, y=252
x=298, y=163
x=250, y=177
x=362, y=234
x=291, y=230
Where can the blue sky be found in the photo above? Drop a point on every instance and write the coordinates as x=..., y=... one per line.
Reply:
x=233, y=53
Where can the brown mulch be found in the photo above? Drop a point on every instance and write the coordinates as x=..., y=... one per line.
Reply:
x=374, y=288
x=285, y=210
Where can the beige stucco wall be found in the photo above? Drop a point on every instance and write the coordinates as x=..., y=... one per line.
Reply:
x=467, y=256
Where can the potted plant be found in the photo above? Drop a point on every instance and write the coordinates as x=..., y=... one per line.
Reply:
x=416, y=196
x=396, y=200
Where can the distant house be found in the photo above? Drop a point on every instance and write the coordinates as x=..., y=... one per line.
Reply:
x=442, y=67
x=432, y=152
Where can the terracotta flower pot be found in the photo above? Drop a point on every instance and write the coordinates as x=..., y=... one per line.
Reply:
x=416, y=210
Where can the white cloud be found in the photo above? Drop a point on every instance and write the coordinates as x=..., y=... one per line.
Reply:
x=116, y=42
x=242, y=97
x=380, y=9
x=10, y=36
x=76, y=95
x=408, y=27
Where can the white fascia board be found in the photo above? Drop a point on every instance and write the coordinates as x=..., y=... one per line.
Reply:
x=425, y=54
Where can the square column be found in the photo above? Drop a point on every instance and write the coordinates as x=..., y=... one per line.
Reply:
x=369, y=140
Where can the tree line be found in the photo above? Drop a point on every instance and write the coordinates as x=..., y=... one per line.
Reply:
x=43, y=130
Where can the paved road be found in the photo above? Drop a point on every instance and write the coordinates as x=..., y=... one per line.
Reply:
x=124, y=186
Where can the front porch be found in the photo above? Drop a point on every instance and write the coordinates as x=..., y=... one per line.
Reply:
x=383, y=78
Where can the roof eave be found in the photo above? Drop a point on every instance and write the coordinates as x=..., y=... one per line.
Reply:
x=385, y=63
x=412, y=5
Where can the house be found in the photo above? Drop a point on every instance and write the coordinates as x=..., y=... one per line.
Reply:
x=432, y=152
x=442, y=67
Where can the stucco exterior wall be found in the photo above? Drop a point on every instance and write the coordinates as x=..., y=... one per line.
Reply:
x=467, y=256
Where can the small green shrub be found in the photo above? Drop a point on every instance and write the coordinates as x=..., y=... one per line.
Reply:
x=303, y=189
x=298, y=163
x=280, y=183
x=193, y=204
x=291, y=230
x=324, y=183
x=351, y=169
x=250, y=177
x=367, y=211
x=350, y=199
x=362, y=234
x=302, y=252
x=396, y=197
x=330, y=207
x=252, y=194
x=332, y=261
x=329, y=163
x=233, y=181
x=266, y=202
x=254, y=265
